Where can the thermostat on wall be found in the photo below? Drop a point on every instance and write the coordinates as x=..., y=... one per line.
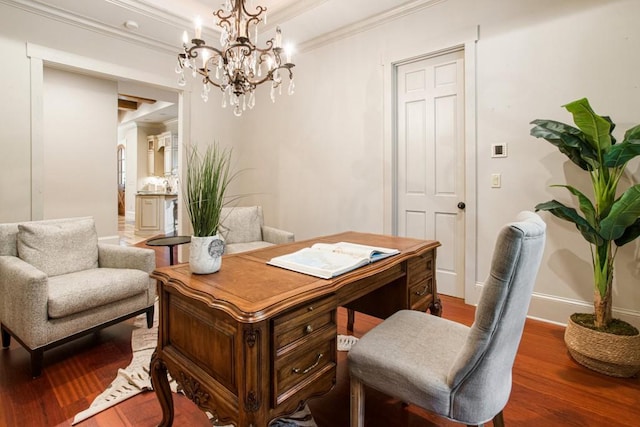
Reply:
x=499, y=150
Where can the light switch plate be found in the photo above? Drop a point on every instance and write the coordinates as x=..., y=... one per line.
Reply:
x=496, y=180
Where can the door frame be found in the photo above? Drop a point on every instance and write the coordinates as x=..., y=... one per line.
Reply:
x=462, y=40
x=41, y=56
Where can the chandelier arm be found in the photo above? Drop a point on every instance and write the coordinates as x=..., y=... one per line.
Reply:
x=194, y=51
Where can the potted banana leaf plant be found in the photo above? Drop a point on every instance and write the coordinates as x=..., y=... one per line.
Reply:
x=607, y=220
x=208, y=176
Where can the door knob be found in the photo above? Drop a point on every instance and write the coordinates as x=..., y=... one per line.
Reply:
x=461, y=205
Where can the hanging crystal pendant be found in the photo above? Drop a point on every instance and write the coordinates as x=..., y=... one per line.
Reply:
x=181, y=80
x=224, y=100
x=292, y=87
x=252, y=99
x=273, y=93
x=237, y=111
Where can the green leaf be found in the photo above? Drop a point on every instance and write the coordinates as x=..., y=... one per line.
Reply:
x=586, y=206
x=569, y=140
x=630, y=233
x=596, y=128
x=620, y=154
x=569, y=214
x=632, y=133
x=624, y=212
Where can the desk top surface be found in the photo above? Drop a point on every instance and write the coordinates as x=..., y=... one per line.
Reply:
x=250, y=290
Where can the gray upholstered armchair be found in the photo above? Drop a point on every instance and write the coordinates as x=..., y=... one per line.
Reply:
x=58, y=283
x=243, y=230
x=467, y=376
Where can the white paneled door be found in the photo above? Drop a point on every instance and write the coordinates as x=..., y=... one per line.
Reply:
x=430, y=156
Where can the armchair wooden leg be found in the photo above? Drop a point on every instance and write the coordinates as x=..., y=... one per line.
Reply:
x=6, y=339
x=36, y=362
x=150, y=312
x=357, y=403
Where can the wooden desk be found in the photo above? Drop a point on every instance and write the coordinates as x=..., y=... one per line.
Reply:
x=251, y=342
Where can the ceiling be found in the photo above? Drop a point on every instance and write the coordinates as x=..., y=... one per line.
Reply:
x=159, y=24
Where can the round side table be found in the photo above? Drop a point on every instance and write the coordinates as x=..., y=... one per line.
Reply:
x=171, y=242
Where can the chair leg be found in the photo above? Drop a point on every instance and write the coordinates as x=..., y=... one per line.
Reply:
x=36, y=363
x=357, y=403
x=150, y=312
x=498, y=420
x=6, y=339
x=351, y=317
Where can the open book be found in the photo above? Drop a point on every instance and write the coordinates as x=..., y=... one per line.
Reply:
x=327, y=260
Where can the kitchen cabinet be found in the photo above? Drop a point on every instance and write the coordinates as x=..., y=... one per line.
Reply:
x=162, y=154
x=155, y=213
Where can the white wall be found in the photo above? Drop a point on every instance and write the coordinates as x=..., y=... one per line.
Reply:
x=80, y=141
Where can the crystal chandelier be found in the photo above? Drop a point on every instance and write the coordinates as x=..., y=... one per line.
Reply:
x=238, y=66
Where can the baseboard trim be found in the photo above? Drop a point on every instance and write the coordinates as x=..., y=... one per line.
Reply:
x=556, y=310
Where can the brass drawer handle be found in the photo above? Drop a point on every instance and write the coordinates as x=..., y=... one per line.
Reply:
x=305, y=371
x=424, y=291
x=308, y=329
x=310, y=308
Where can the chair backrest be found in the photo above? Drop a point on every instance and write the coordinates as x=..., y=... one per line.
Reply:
x=241, y=224
x=480, y=377
x=9, y=232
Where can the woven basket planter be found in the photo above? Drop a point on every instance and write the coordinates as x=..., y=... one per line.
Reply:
x=613, y=355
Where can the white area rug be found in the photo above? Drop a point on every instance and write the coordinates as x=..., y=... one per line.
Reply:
x=135, y=378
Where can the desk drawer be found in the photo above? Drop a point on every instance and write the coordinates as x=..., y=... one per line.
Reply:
x=298, y=373
x=302, y=323
x=421, y=294
x=419, y=268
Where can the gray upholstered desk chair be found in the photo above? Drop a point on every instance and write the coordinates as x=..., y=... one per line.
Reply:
x=466, y=377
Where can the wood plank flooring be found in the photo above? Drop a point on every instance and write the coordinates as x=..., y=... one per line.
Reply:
x=549, y=388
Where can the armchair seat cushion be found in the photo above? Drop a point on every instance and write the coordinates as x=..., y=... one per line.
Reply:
x=88, y=289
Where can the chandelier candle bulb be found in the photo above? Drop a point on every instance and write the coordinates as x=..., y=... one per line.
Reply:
x=198, y=28
x=278, y=43
x=185, y=37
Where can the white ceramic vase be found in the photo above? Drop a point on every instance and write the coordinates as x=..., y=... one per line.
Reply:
x=205, y=254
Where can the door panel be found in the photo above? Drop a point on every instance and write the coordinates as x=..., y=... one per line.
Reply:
x=430, y=184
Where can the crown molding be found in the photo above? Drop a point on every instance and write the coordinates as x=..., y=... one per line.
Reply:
x=367, y=24
x=80, y=21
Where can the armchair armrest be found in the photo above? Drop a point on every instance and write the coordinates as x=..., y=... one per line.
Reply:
x=23, y=295
x=276, y=236
x=115, y=256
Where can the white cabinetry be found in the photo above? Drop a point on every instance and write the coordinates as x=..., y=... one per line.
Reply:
x=162, y=154
x=154, y=214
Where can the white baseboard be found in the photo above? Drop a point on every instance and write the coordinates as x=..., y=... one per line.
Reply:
x=554, y=309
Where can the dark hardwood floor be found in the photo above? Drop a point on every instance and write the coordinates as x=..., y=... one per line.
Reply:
x=549, y=388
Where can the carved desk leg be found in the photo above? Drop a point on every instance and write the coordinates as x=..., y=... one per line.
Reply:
x=436, y=307
x=160, y=384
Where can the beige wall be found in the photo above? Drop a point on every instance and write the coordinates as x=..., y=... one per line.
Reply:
x=79, y=151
